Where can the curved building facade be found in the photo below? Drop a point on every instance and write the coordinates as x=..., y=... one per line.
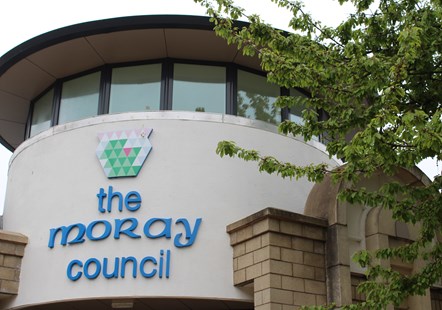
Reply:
x=117, y=199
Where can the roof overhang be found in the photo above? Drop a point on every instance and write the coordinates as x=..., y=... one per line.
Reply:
x=30, y=68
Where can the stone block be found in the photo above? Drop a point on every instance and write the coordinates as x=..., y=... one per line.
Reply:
x=12, y=261
x=280, y=240
x=244, y=234
x=7, y=248
x=302, y=244
x=17, y=275
x=253, y=272
x=313, y=259
x=12, y=237
x=233, y=238
x=339, y=285
x=386, y=223
x=20, y=250
x=304, y=299
x=268, y=252
x=319, y=247
x=277, y=267
x=291, y=228
x=7, y=273
x=313, y=232
x=239, y=249
x=8, y=287
x=269, y=306
x=274, y=225
x=262, y=282
x=275, y=252
x=315, y=287
x=402, y=230
x=253, y=244
x=378, y=241
x=265, y=239
x=239, y=277
x=267, y=224
x=321, y=300
x=289, y=307
x=291, y=256
x=304, y=272
x=257, y=299
x=261, y=255
x=275, y=295
x=245, y=260
x=267, y=281
x=266, y=296
x=337, y=246
x=319, y=274
x=293, y=284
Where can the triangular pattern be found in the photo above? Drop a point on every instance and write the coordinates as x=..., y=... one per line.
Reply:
x=122, y=153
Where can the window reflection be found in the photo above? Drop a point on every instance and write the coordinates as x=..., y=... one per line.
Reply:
x=79, y=98
x=256, y=97
x=295, y=114
x=41, y=115
x=135, y=88
x=199, y=88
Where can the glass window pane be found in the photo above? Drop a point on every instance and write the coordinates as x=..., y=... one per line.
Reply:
x=79, y=98
x=41, y=115
x=199, y=88
x=296, y=111
x=135, y=88
x=256, y=96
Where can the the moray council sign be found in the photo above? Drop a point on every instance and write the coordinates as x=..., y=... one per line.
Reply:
x=122, y=153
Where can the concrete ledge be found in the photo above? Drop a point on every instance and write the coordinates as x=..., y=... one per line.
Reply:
x=277, y=214
x=13, y=237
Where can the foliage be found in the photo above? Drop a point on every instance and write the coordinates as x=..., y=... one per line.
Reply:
x=377, y=76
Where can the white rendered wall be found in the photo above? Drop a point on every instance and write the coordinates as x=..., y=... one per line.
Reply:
x=55, y=176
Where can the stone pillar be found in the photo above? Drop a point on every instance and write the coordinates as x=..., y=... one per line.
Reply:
x=12, y=247
x=283, y=255
x=338, y=266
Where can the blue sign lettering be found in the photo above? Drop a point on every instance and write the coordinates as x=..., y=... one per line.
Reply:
x=184, y=235
x=148, y=267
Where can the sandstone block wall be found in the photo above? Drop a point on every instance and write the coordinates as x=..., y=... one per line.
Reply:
x=12, y=248
x=282, y=254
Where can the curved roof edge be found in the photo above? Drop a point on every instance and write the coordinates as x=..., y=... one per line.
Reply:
x=31, y=67
x=99, y=27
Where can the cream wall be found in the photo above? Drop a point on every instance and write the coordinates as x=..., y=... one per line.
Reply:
x=55, y=176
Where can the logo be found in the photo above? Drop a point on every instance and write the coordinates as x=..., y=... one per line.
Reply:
x=122, y=153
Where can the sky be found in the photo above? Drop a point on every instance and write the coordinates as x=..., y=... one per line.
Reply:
x=21, y=20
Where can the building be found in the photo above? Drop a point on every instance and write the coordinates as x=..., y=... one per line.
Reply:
x=117, y=199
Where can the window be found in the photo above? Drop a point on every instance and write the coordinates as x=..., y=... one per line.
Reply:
x=42, y=113
x=256, y=96
x=296, y=111
x=199, y=88
x=146, y=87
x=135, y=88
x=79, y=98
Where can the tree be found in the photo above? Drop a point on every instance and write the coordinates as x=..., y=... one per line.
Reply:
x=377, y=76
